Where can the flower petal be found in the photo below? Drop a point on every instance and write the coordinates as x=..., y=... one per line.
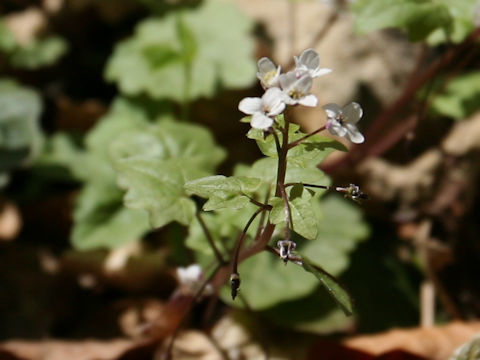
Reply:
x=310, y=59
x=321, y=72
x=309, y=100
x=332, y=110
x=354, y=134
x=265, y=65
x=287, y=80
x=304, y=84
x=260, y=121
x=250, y=105
x=352, y=112
x=335, y=128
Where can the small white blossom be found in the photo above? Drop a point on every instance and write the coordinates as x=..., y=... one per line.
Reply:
x=297, y=89
x=270, y=104
x=191, y=279
x=309, y=62
x=268, y=73
x=341, y=121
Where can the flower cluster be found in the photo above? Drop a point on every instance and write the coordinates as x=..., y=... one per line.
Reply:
x=293, y=88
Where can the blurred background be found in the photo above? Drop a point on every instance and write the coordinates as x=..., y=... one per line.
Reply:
x=82, y=276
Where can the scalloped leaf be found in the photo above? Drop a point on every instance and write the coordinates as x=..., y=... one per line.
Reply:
x=21, y=138
x=418, y=18
x=186, y=54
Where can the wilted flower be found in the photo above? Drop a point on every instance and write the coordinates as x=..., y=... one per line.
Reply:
x=286, y=247
x=268, y=73
x=270, y=104
x=353, y=192
x=191, y=279
x=297, y=89
x=309, y=62
x=341, y=122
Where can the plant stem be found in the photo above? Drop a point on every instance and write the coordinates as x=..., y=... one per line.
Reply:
x=282, y=158
x=287, y=211
x=259, y=204
x=235, y=275
x=207, y=233
x=302, y=139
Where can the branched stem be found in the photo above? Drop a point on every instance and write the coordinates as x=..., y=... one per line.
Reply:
x=302, y=139
x=210, y=240
x=260, y=204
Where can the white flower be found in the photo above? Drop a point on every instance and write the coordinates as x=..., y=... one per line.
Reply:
x=309, y=62
x=270, y=104
x=297, y=89
x=268, y=73
x=341, y=122
x=191, y=279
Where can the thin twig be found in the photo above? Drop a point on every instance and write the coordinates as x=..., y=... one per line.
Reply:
x=235, y=277
x=302, y=139
x=288, y=217
x=209, y=237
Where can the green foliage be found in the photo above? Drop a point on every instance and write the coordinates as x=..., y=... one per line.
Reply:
x=21, y=137
x=223, y=192
x=419, y=18
x=186, y=54
x=266, y=280
x=100, y=220
x=225, y=226
x=332, y=285
x=33, y=55
x=39, y=53
x=302, y=215
x=460, y=98
x=154, y=164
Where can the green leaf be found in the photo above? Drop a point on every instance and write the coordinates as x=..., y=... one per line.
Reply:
x=419, y=18
x=337, y=291
x=216, y=203
x=460, y=98
x=157, y=186
x=39, y=53
x=339, y=229
x=462, y=13
x=20, y=135
x=222, y=187
x=225, y=226
x=186, y=54
x=303, y=217
x=7, y=40
x=315, y=313
x=101, y=221
x=266, y=282
x=100, y=218
x=155, y=162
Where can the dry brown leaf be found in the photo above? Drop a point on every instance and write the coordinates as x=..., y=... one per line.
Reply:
x=67, y=350
x=464, y=137
x=435, y=343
